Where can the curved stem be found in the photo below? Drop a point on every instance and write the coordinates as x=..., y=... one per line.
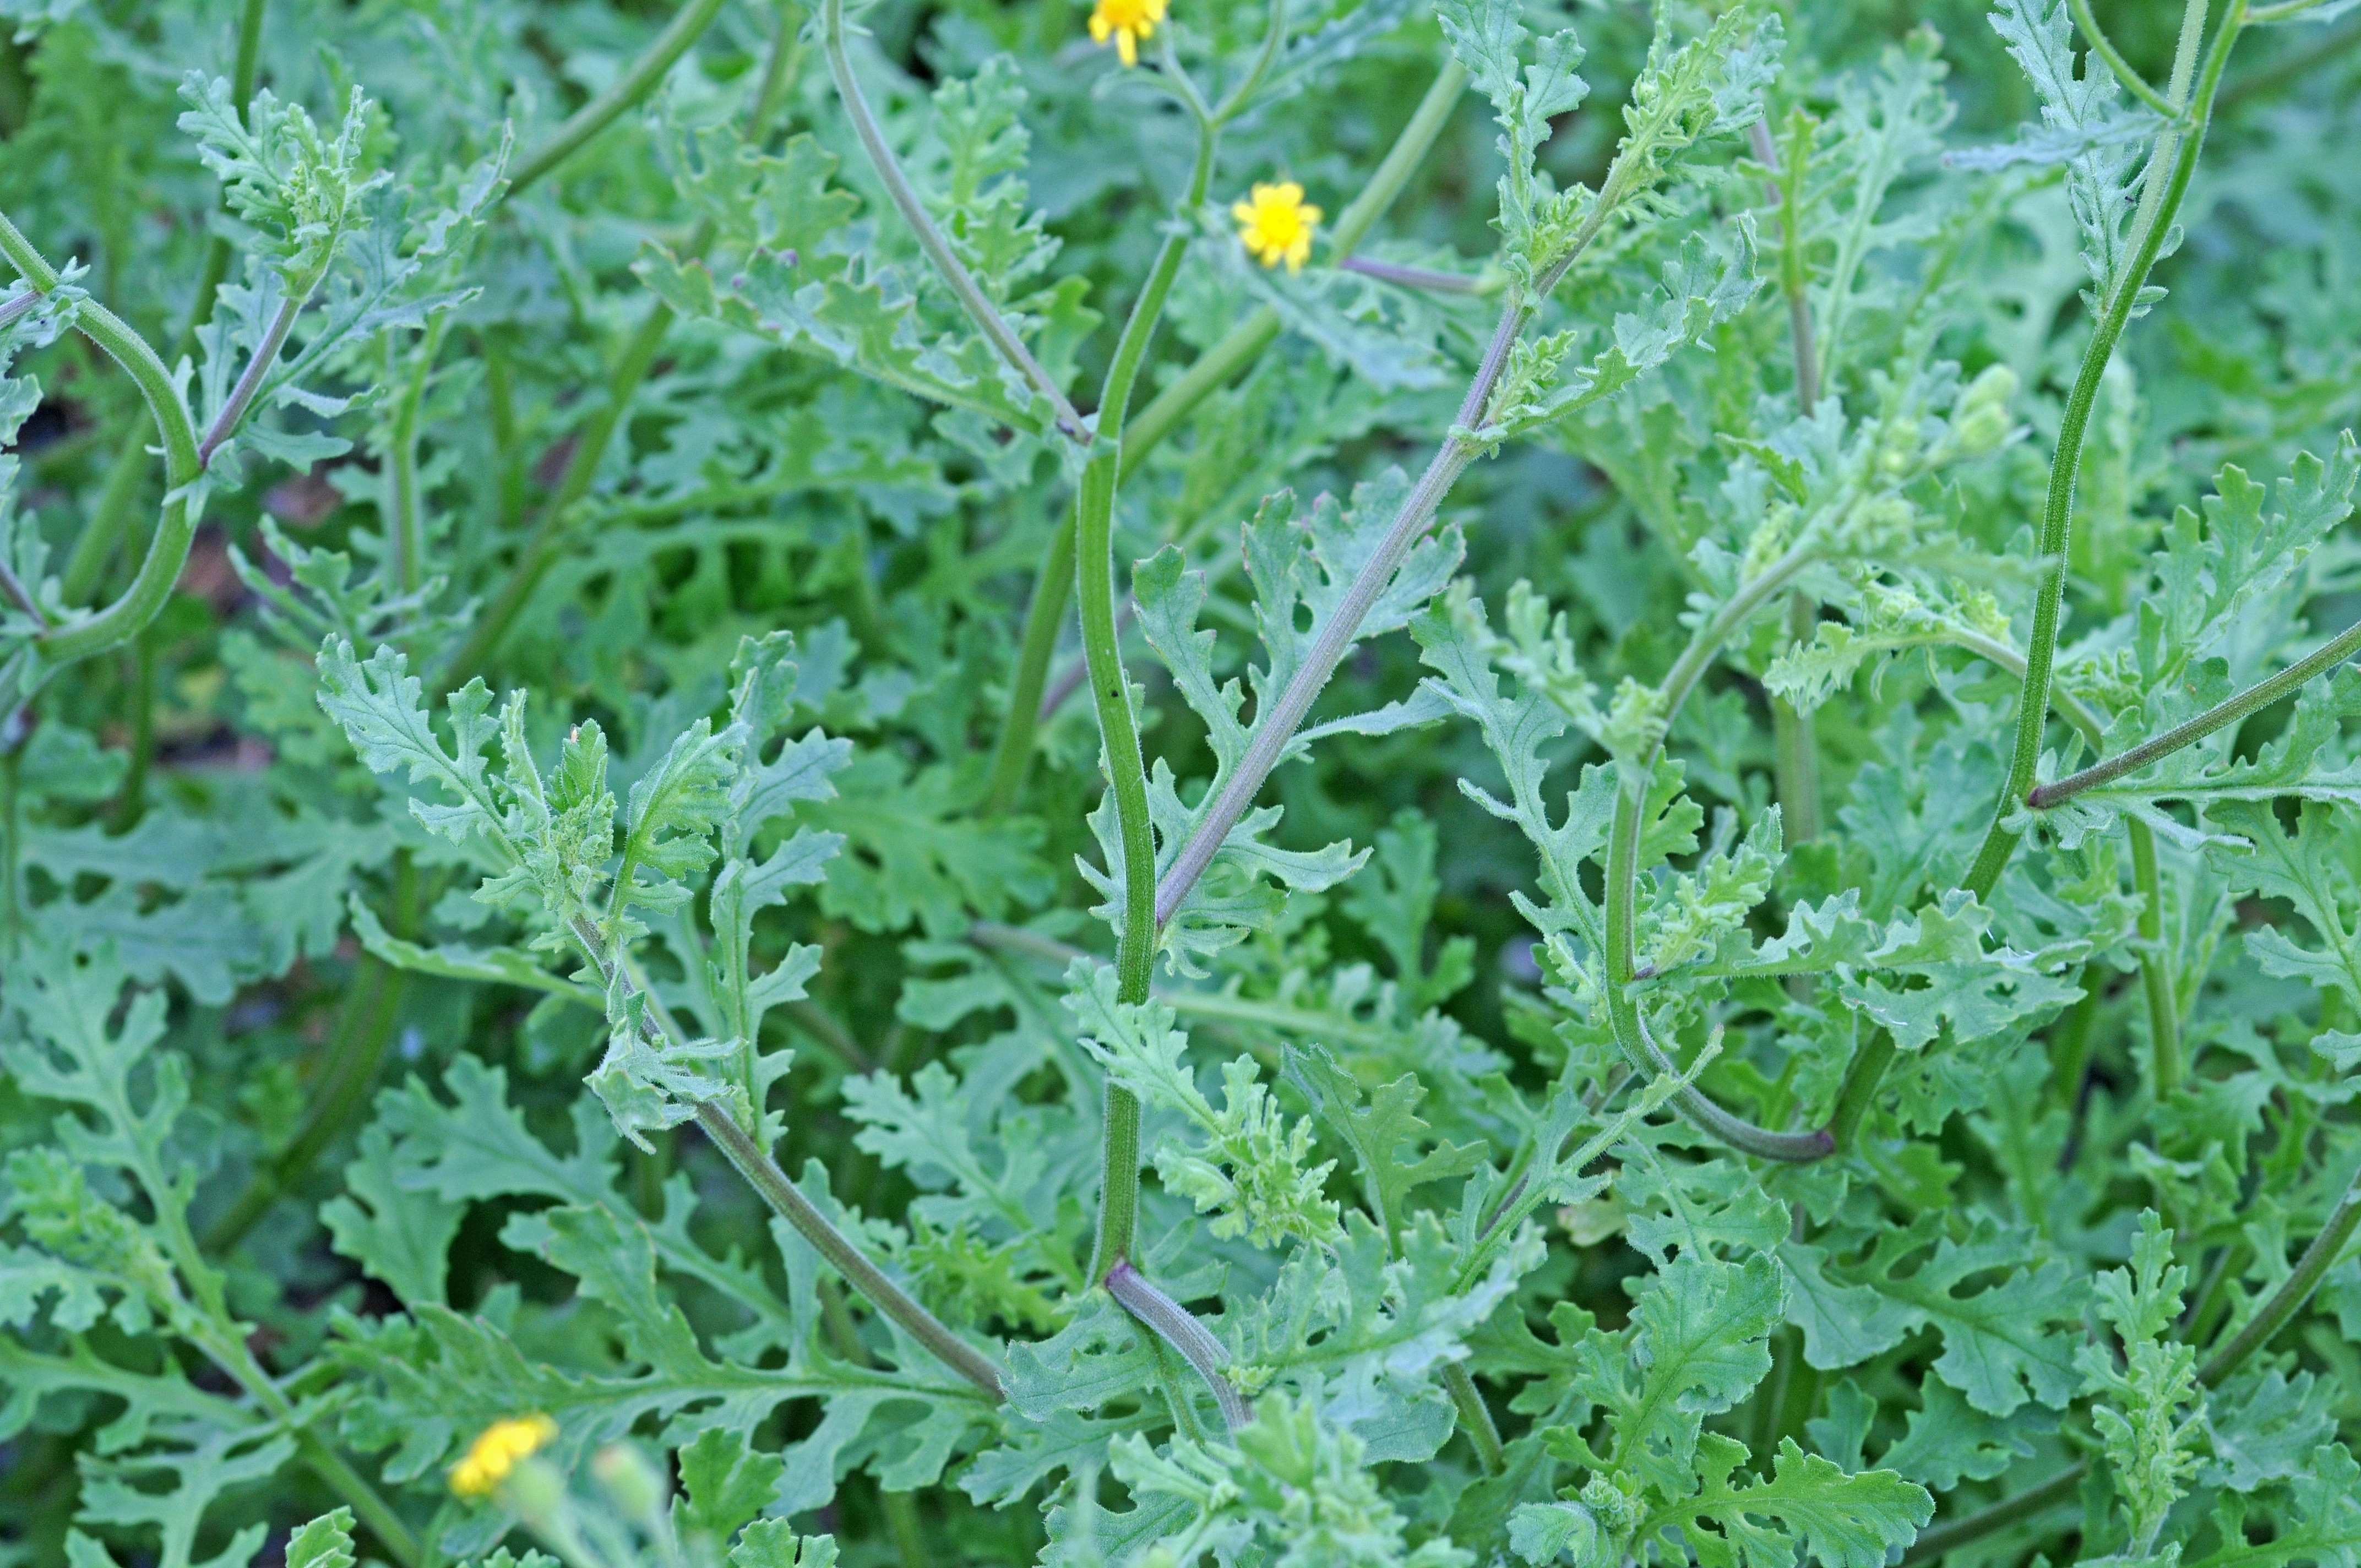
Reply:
x=1623, y=1015
x=94, y=544
x=169, y=551
x=2134, y=82
x=1274, y=33
x=980, y=309
x=1177, y=1327
x=2058, y=513
x=645, y=73
x=2261, y=695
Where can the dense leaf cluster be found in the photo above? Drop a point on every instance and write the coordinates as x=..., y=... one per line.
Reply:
x=751, y=817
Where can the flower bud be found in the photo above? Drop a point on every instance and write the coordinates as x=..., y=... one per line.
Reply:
x=1980, y=420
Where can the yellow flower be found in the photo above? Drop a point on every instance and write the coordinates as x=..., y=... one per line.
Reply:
x=1276, y=223
x=494, y=1453
x=1129, y=21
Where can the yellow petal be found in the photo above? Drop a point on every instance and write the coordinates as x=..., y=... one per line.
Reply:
x=1126, y=44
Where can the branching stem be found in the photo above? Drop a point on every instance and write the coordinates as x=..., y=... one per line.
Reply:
x=2222, y=715
x=1174, y=1324
x=1240, y=346
x=2058, y=511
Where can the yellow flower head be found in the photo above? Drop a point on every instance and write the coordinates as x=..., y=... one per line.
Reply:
x=1276, y=223
x=496, y=1451
x=1128, y=21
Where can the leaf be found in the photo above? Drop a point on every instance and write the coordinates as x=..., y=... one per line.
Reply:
x=325, y=1543
x=1839, y=1520
x=402, y=1236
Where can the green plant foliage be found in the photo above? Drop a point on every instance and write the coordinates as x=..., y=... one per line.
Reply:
x=1729, y=666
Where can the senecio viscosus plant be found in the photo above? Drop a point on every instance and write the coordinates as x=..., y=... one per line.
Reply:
x=1197, y=783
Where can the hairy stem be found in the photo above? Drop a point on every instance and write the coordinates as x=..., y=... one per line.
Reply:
x=2133, y=81
x=645, y=74
x=972, y=298
x=1474, y=1417
x=2057, y=511
x=1175, y=1326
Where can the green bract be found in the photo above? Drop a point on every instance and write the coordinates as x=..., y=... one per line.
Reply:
x=753, y=813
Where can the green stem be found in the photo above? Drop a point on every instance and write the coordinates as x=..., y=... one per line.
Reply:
x=266, y=356
x=1623, y=1013
x=1798, y=752
x=140, y=746
x=2134, y=82
x=1118, y=728
x=972, y=298
x=408, y=534
x=2259, y=695
x=1859, y=1090
x=1245, y=343
x=1012, y=757
x=2156, y=967
x=645, y=73
x=1272, y=733
x=1215, y=369
x=365, y=1031
x=1474, y=1417
x=94, y=544
x=2058, y=513
x=2294, y=1292
x=551, y=531
x=762, y=1174
x=547, y=541
x=2283, y=1305
x=169, y=550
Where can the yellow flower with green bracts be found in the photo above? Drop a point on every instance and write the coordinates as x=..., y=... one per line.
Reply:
x=496, y=1451
x=1127, y=22
x=1276, y=223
